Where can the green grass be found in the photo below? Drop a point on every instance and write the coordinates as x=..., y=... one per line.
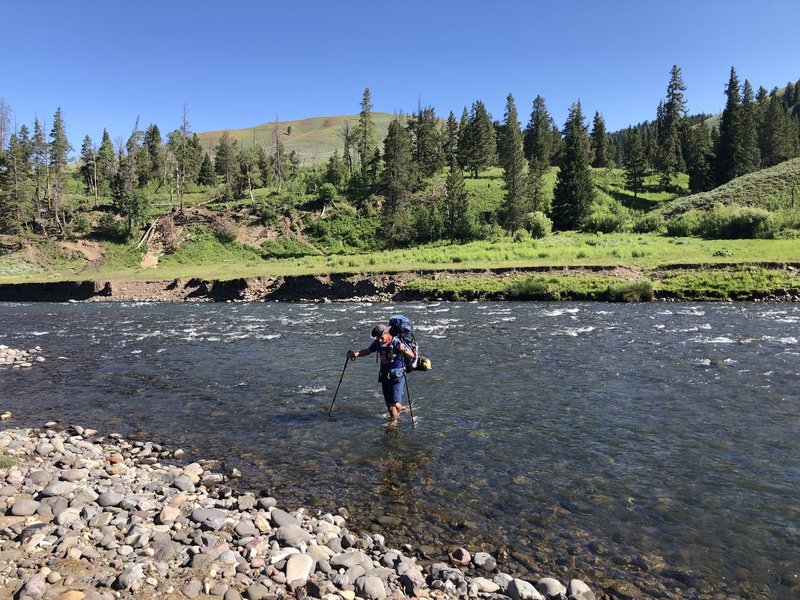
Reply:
x=205, y=256
x=776, y=187
x=610, y=184
x=536, y=287
x=730, y=282
x=204, y=249
x=737, y=282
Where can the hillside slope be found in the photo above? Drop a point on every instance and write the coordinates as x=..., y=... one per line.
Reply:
x=313, y=139
x=780, y=183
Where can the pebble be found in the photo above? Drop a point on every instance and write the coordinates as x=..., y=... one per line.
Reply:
x=140, y=526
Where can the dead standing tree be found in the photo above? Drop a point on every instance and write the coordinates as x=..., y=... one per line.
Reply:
x=278, y=158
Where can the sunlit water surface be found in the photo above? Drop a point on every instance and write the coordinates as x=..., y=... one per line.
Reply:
x=653, y=443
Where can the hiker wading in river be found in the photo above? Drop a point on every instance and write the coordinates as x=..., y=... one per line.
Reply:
x=392, y=374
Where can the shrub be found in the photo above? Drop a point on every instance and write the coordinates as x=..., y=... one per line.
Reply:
x=535, y=289
x=109, y=228
x=80, y=225
x=783, y=220
x=267, y=214
x=649, y=223
x=538, y=224
x=327, y=192
x=605, y=220
x=735, y=222
x=344, y=228
x=685, y=224
x=224, y=231
x=283, y=247
x=491, y=232
x=638, y=291
x=522, y=235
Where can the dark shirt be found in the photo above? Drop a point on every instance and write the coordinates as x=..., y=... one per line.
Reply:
x=391, y=354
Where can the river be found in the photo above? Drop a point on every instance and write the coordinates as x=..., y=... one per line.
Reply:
x=654, y=445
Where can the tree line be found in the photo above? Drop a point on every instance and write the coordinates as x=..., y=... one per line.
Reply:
x=756, y=130
x=389, y=180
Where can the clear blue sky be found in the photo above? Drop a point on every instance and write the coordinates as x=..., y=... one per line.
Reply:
x=238, y=64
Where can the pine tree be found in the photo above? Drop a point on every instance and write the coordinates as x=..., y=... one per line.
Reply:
x=774, y=142
x=59, y=151
x=481, y=144
x=751, y=155
x=729, y=150
x=635, y=163
x=599, y=142
x=398, y=179
x=19, y=158
x=88, y=168
x=669, y=120
x=796, y=95
x=16, y=191
x=40, y=154
x=194, y=158
x=106, y=164
x=365, y=132
x=207, y=176
x=154, y=146
x=336, y=171
x=700, y=158
x=457, y=215
x=462, y=148
x=539, y=145
x=450, y=140
x=424, y=128
x=512, y=159
x=574, y=191
x=125, y=182
x=348, y=138
x=225, y=162
x=538, y=142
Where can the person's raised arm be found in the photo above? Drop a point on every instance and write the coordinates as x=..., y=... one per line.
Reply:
x=352, y=355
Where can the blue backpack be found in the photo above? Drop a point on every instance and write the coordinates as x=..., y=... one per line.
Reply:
x=400, y=327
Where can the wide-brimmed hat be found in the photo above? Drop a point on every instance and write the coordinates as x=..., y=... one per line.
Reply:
x=379, y=330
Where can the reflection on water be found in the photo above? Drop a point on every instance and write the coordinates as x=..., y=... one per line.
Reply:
x=651, y=443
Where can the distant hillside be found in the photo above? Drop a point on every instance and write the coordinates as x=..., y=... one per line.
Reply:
x=313, y=139
x=778, y=183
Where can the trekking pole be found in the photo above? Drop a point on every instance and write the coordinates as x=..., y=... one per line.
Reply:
x=410, y=406
x=346, y=360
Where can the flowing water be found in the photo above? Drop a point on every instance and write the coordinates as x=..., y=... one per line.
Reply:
x=653, y=444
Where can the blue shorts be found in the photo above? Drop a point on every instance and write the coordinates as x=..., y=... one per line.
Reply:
x=393, y=389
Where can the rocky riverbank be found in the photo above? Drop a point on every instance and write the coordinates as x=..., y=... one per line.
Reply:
x=702, y=282
x=94, y=517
